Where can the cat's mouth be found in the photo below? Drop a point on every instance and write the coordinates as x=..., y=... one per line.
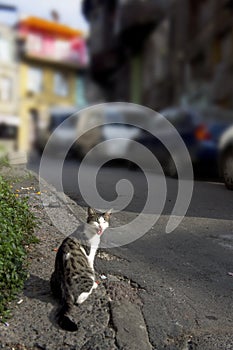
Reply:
x=100, y=231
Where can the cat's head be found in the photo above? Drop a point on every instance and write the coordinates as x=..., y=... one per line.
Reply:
x=98, y=220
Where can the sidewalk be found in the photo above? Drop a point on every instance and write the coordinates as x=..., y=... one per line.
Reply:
x=110, y=319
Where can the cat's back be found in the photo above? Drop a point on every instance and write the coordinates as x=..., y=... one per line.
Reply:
x=72, y=254
x=70, y=244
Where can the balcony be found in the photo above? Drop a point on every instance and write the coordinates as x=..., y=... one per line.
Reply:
x=135, y=18
x=52, y=43
x=71, y=54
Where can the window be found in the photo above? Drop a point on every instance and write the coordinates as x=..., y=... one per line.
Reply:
x=34, y=44
x=61, y=86
x=5, y=88
x=5, y=50
x=61, y=49
x=35, y=80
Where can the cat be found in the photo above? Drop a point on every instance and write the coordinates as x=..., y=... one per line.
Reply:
x=73, y=279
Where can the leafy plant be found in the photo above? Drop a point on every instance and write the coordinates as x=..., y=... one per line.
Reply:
x=16, y=232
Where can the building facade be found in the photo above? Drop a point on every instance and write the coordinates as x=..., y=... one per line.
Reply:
x=175, y=52
x=121, y=47
x=9, y=101
x=53, y=58
x=202, y=45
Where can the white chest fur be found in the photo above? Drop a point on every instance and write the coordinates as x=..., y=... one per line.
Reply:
x=94, y=243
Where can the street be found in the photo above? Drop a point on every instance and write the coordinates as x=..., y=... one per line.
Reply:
x=182, y=277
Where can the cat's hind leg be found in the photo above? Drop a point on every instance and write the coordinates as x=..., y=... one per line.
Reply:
x=83, y=296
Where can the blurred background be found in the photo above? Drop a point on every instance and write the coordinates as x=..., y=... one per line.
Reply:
x=174, y=56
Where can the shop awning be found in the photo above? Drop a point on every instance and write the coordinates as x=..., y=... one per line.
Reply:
x=11, y=120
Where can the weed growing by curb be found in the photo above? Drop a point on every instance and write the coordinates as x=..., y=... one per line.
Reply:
x=17, y=224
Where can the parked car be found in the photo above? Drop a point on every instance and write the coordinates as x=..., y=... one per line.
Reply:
x=107, y=122
x=226, y=157
x=63, y=136
x=200, y=130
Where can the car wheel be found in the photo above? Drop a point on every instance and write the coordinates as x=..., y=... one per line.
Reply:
x=227, y=168
x=39, y=150
x=77, y=152
x=170, y=167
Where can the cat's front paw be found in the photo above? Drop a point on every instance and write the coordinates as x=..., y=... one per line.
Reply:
x=95, y=285
x=91, y=264
x=82, y=297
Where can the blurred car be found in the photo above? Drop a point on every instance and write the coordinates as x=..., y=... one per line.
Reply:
x=226, y=157
x=64, y=135
x=200, y=129
x=106, y=123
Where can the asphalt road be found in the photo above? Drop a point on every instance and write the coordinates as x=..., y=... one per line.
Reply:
x=183, y=277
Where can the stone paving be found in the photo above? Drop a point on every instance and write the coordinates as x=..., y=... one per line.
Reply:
x=111, y=317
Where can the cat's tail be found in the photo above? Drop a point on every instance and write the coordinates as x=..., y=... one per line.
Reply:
x=63, y=319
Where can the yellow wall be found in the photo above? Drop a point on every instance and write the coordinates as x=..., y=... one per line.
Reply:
x=41, y=101
x=10, y=71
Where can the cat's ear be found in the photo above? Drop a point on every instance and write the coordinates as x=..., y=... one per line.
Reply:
x=91, y=211
x=108, y=213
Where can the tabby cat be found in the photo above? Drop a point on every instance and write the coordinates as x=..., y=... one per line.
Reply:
x=73, y=279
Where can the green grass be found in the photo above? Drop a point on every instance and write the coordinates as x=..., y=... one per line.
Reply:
x=3, y=156
x=4, y=162
x=17, y=224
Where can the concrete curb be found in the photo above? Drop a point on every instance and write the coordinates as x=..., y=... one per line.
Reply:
x=130, y=327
